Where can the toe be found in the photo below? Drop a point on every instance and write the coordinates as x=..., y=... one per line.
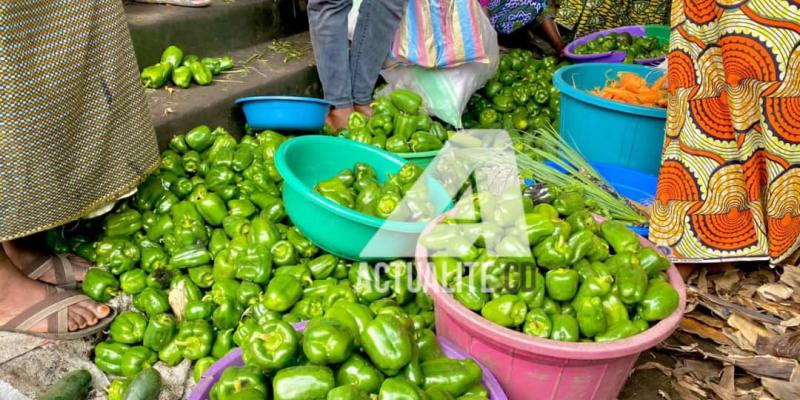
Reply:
x=77, y=318
x=85, y=311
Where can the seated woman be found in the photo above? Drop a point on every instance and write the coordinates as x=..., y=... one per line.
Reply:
x=516, y=19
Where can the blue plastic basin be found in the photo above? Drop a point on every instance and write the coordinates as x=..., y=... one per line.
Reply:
x=284, y=112
x=609, y=131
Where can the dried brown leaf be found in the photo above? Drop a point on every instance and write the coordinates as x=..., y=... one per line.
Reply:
x=698, y=328
x=728, y=281
x=701, y=369
x=750, y=330
x=791, y=276
x=709, y=320
x=775, y=367
x=782, y=390
x=655, y=365
x=776, y=292
x=787, y=346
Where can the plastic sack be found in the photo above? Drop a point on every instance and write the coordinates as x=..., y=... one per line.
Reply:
x=352, y=18
x=447, y=91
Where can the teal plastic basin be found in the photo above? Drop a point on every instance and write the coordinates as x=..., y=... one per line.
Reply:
x=306, y=160
x=422, y=159
x=609, y=131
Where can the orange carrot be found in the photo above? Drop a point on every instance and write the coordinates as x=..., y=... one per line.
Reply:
x=659, y=83
x=633, y=89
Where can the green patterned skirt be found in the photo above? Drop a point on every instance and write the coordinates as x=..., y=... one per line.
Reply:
x=75, y=129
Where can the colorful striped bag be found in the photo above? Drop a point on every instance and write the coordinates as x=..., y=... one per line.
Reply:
x=440, y=34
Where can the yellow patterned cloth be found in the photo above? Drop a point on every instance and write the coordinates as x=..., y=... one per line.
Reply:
x=583, y=17
x=729, y=185
x=75, y=130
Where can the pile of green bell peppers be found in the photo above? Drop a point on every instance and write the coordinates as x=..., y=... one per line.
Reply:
x=398, y=124
x=584, y=280
x=352, y=352
x=182, y=70
x=520, y=97
x=397, y=197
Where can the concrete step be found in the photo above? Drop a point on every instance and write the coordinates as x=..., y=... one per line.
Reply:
x=260, y=70
x=218, y=29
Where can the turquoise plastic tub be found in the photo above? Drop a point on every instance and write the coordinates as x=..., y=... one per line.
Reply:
x=422, y=159
x=609, y=131
x=307, y=160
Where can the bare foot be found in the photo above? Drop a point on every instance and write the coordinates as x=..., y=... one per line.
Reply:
x=22, y=257
x=337, y=118
x=17, y=293
x=364, y=109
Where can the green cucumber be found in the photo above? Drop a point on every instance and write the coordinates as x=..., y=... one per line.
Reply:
x=72, y=386
x=144, y=386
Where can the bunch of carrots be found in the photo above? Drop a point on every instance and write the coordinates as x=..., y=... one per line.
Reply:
x=633, y=89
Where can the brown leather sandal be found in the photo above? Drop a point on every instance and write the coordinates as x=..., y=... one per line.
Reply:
x=61, y=266
x=55, y=309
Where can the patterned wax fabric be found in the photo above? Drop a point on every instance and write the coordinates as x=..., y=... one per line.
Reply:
x=729, y=186
x=75, y=129
x=583, y=17
x=509, y=15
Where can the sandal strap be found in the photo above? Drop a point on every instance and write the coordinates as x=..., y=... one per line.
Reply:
x=60, y=264
x=54, y=307
x=38, y=267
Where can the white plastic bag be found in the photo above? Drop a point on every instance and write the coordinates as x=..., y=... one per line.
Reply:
x=352, y=18
x=447, y=91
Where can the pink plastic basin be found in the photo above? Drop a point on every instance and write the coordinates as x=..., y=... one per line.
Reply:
x=234, y=359
x=533, y=368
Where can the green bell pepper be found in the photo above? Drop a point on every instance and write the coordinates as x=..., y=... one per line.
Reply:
x=194, y=339
x=537, y=323
x=225, y=63
x=322, y=267
x=199, y=138
x=173, y=56
x=283, y=291
x=652, y=262
x=271, y=346
x=381, y=124
x=137, y=358
x=116, y=389
x=327, y=341
x=283, y=253
x=308, y=308
x=617, y=332
x=367, y=283
x=619, y=237
x=387, y=343
x=302, y=383
x=450, y=375
x=561, y=284
x=248, y=293
x=428, y=344
x=128, y=328
x=172, y=162
x=202, y=276
x=117, y=255
x=347, y=392
x=224, y=290
x=396, y=144
x=552, y=252
x=591, y=317
x=659, y=301
x=631, y=283
x=400, y=389
x=227, y=314
x=406, y=101
x=223, y=343
x=212, y=65
x=182, y=77
x=360, y=373
x=299, y=272
x=123, y=223
x=241, y=208
x=100, y=285
x=209, y=205
x=133, y=281
x=423, y=141
x=170, y=355
x=505, y=310
x=354, y=316
x=614, y=310
x=582, y=220
x=236, y=380
x=201, y=75
x=155, y=76
x=151, y=301
x=254, y=265
x=565, y=328
x=468, y=292
x=197, y=310
x=108, y=356
x=159, y=332
x=303, y=246
x=201, y=366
